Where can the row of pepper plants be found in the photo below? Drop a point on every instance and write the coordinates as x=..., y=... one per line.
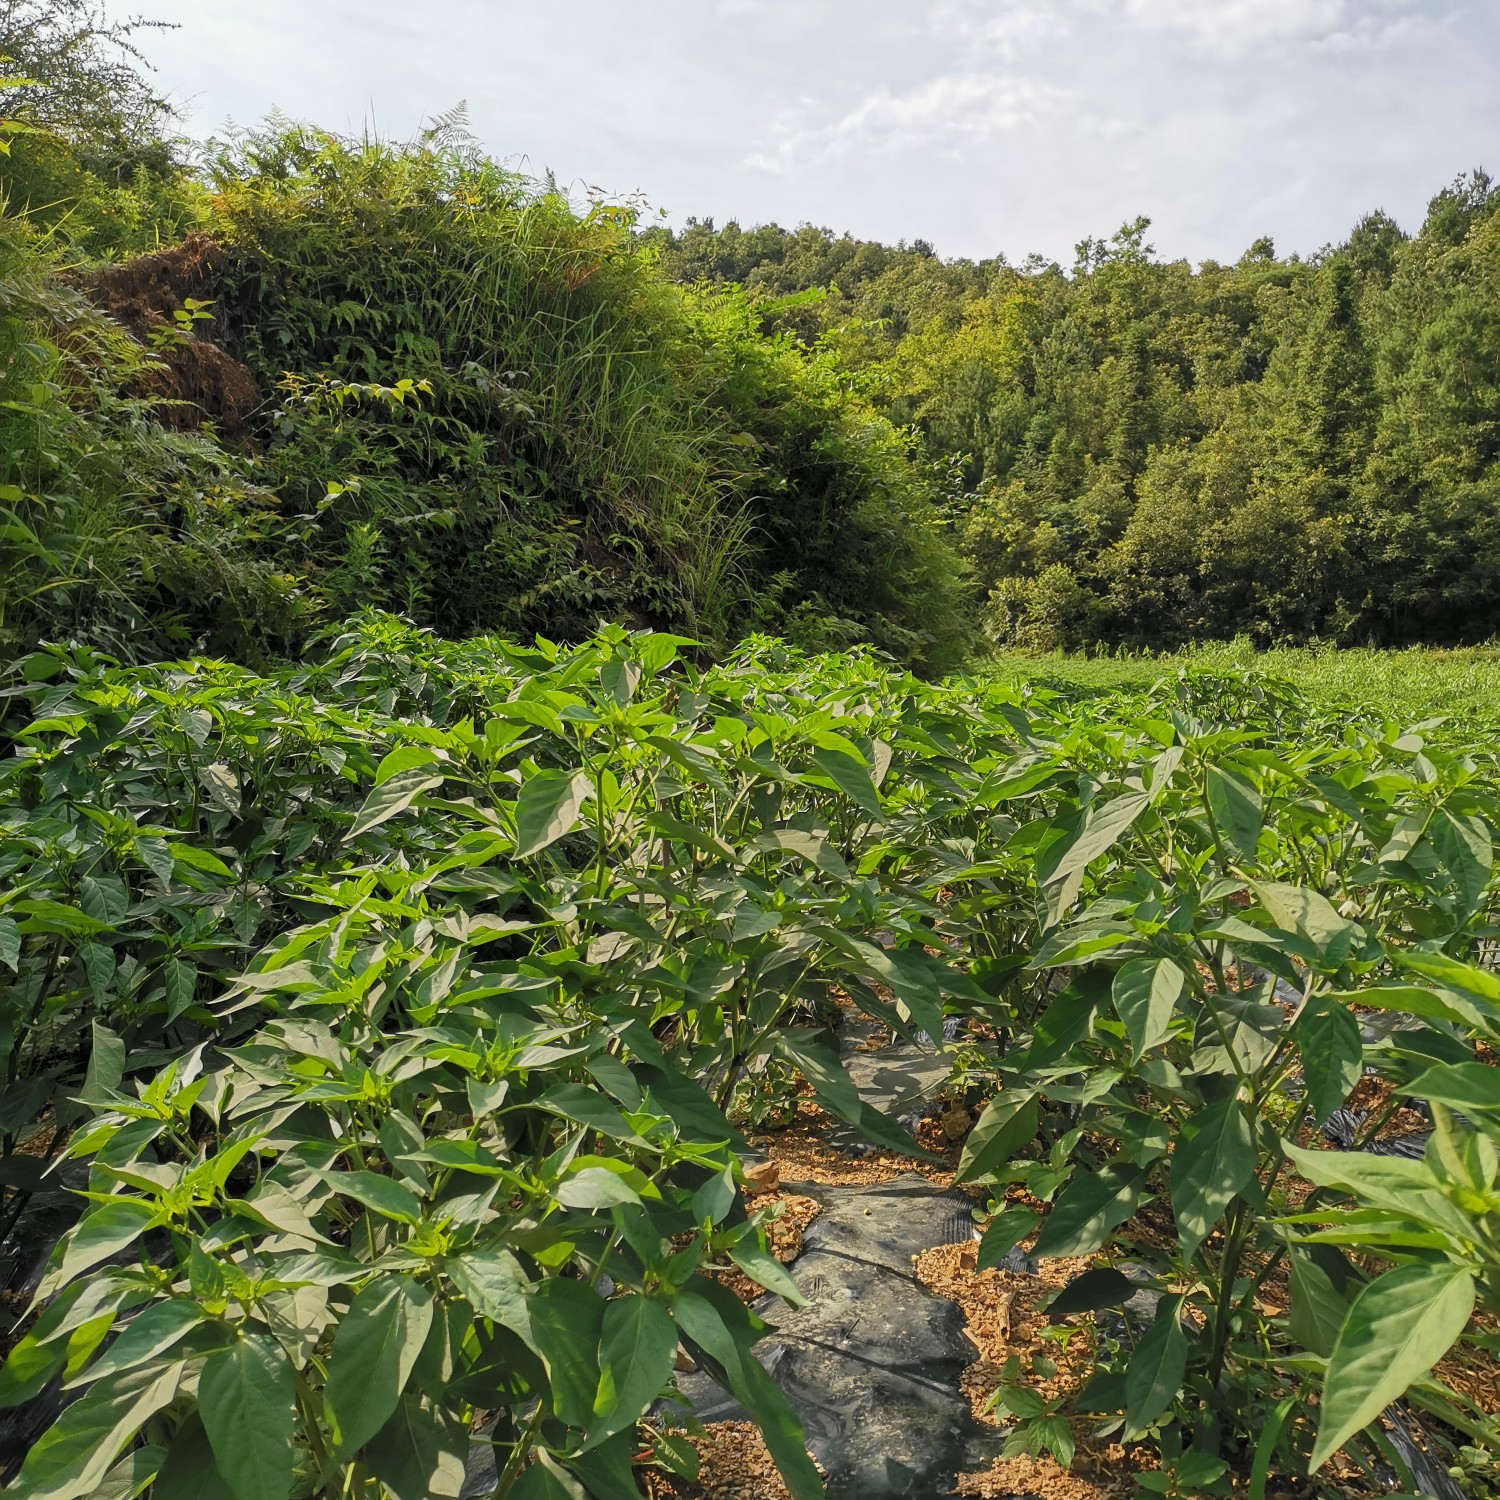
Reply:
x=389, y=1017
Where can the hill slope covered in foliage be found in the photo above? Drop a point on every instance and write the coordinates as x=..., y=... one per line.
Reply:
x=353, y=372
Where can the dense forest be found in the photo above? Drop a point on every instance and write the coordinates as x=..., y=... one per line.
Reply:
x=1149, y=453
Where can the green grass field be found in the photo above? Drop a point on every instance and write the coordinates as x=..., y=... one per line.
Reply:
x=1416, y=684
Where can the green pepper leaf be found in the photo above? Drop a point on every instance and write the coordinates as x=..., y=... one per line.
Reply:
x=1087, y=1209
x=246, y=1396
x=1146, y=992
x=373, y=1353
x=1158, y=1366
x=1397, y=1329
x=637, y=1346
x=1009, y=1121
x=1212, y=1163
x=1332, y=1054
x=548, y=808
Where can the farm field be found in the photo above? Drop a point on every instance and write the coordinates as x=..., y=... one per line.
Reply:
x=618, y=877
x=404, y=1013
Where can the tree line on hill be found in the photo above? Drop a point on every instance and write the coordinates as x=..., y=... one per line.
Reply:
x=1148, y=453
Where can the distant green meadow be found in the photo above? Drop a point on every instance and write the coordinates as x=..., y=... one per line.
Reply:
x=1414, y=684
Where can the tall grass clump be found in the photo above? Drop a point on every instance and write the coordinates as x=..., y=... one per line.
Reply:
x=492, y=412
x=549, y=356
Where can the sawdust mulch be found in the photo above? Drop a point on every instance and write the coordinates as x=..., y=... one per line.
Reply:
x=734, y=1464
x=1003, y=1318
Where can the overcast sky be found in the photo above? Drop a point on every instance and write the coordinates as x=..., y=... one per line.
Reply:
x=983, y=126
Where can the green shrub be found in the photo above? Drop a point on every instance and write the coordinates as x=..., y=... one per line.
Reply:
x=111, y=528
x=93, y=160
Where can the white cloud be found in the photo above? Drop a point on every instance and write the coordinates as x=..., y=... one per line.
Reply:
x=947, y=115
x=1370, y=33
x=987, y=29
x=1231, y=28
x=1235, y=25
